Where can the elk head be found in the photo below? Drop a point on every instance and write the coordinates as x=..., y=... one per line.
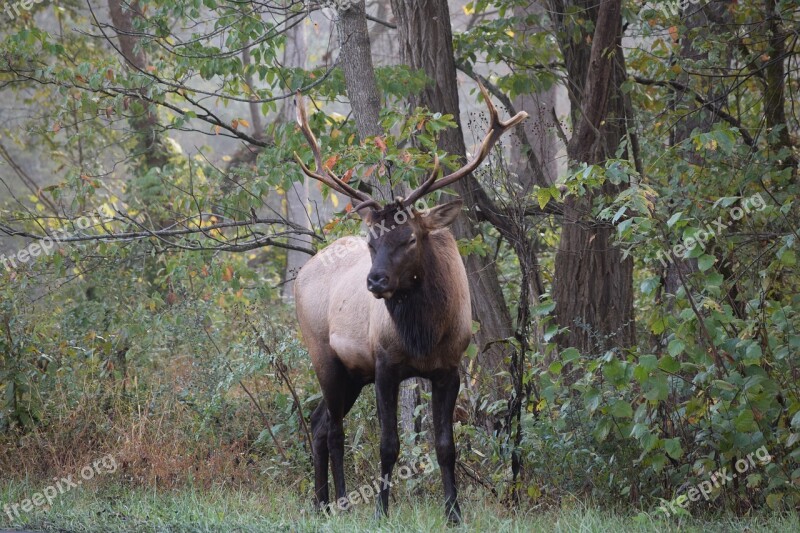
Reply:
x=398, y=242
x=398, y=231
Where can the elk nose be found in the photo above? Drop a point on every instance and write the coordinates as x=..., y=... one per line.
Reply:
x=377, y=282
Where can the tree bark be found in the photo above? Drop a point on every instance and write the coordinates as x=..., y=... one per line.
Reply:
x=359, y=78
x=774, y=96
x=593, y=285
x=359, y=72
x=426, y=43
x=298, y=197
x=541, y=106
x=145, y=124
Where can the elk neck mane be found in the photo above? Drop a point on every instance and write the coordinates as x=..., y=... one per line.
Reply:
x=420, y=313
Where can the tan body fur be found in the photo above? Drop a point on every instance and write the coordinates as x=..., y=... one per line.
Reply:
x=338, y=314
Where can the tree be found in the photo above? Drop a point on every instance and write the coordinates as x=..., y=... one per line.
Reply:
x=593, y=287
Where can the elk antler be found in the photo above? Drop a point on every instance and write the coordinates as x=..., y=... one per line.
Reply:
x=323, y=174
x=497, y=128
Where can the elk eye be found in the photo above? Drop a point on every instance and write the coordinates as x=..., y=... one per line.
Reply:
x=412, y=240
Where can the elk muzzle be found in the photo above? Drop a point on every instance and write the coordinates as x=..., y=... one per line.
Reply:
x=379, y=284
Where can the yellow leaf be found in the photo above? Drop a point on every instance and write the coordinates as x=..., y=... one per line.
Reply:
x=334, y=200
x=244, y=123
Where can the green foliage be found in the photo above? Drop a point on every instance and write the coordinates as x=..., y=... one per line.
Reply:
x=138, y=329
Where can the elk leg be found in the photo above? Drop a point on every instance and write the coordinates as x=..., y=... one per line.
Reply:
x=319, y=432
x=340, y=392
x=445, y=391
x=387, y=387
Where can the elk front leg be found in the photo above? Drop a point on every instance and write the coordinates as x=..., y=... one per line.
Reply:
x=387, y=386
x=445, y=391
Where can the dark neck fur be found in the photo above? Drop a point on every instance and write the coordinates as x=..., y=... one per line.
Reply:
x=417, y=312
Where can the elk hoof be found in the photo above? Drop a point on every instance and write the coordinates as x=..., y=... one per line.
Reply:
x=454, y=514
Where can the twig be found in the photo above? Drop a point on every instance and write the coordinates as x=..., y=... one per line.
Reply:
x=280, y=367
x=264, y=417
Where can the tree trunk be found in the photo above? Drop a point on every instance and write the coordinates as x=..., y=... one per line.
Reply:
x=145, y=124
x=359, y=78
x=298, y=197
x=774, y=96
x=359, y=72
x=593, y=285
x=426, y=43
x=541, y=106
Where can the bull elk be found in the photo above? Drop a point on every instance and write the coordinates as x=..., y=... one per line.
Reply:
x=383, y=309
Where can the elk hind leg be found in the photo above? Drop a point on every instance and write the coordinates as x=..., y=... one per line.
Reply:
x=319, y=446
x=340, y=391
x=445, y=391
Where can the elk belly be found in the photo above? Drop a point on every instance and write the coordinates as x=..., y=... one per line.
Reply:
x=354, y=354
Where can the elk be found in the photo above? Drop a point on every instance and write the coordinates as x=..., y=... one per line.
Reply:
x=383, y=309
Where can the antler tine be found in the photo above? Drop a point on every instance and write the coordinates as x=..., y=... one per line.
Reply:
x=328, y=178
x=497, y=128
x=417, y=193
x=366, y=203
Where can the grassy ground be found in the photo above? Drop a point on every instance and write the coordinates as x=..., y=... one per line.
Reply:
x=114, y=509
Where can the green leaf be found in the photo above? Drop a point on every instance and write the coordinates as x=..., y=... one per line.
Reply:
x=674, y=218
x=753, y=354
x=621, y=409
x=602, y=429
x=544, y=308
x=543, y=196
x=705, y=261
x=745, y=422
x=570, y=354
x=673, y=448
x=774, y=500
x=472, y=350
x=592, y=398
x=658, y=390
x=658, y=325
x=676, y=347
x=724, y=385
x=669, y=364
x=648, y=361
x=788, y=258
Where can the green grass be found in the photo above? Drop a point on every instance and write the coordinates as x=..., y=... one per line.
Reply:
x=115, y=509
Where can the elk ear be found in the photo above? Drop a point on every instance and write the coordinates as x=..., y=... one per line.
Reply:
x=366, y=214
x=443, y=215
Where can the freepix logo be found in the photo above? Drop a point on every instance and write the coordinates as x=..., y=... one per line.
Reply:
x=13, y=9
